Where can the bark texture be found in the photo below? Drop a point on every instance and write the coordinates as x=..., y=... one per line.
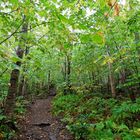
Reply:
x=13, y=87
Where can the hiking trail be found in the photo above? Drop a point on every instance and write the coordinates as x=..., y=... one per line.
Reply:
x=40, y=124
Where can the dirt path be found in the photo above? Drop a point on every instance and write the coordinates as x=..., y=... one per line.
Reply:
x=40, y=124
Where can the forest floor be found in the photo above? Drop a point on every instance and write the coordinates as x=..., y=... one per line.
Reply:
x=40, y=124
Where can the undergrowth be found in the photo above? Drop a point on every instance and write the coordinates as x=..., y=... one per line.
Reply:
x=8, y=126
x=91, y=117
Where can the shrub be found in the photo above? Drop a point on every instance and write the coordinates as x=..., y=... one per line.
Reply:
x=92, y=117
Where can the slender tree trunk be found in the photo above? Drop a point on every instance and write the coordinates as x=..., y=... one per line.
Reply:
x=68, y=72
x=112, y=81
x=49, y=80
x=22, y=84
x=65, y=74
x=65, y=69
x=111, y=75
x=122, y=79
x=137, y=39
x=108, y=84
x=24, y=87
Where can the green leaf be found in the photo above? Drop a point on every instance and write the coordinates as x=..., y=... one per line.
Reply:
x=96, y=38
x=100, y=126
x=2, y=117
x=15, y=59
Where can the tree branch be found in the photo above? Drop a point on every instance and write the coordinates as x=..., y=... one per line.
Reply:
x=12, y=33
x=9, y=12
x=34, y=27
x=3, y=72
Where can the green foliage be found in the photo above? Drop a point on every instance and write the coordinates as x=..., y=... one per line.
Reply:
x=93, y=117
x=71, y=43
x=6, y=131
x=61, y=106
x=20, y=105
x=8, y=126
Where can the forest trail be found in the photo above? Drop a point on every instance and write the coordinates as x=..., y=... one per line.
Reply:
x=40, y=124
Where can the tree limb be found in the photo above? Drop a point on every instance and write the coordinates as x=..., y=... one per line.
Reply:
x=34, y=27
x=9, y=12
x=3, y=72
x=12, y=33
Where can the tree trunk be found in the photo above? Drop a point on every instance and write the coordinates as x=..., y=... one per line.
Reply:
x=65, y=74
x=10, y=101
x=137, y=39
x=112, y=81
x=68, y=72
x=65, y=69
x=49, y=80
x=22, y=84
x=13, y=87
x=111, y=75
x=11, y=97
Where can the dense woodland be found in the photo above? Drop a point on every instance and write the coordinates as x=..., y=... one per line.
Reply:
x=87, y=52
